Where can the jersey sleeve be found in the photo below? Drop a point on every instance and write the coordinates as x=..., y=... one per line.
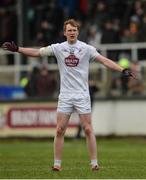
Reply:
x=55, y=49
x=46, y=51
x=49, y=50
x=93, y=53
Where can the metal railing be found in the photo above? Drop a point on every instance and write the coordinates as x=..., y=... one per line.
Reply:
x=17, y=68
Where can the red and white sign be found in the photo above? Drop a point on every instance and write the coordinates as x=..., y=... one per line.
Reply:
x=35, y=117
x=32, y=117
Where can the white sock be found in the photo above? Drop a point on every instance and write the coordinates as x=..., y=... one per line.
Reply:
x=57, y=162
x=94, y=162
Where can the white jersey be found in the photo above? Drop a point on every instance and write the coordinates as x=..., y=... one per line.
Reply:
x=73, y=62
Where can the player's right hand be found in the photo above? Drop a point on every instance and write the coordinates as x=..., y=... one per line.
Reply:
x=10, y=46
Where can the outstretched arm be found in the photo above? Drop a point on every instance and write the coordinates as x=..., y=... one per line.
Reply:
x=114, y=66
x=11, y=46
x=109, y=63
x=29, y=51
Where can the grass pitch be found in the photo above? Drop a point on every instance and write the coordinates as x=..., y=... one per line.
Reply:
x=118, y=158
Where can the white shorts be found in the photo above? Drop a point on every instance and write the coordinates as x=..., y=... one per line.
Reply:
x=69, y=103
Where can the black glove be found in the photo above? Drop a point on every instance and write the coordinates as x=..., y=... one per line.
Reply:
x=10, y=46
x=126, y=73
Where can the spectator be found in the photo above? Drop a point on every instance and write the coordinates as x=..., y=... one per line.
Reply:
x=126, y=36
x=30, y=88
x=45, y=83
x=98, y=13
x=142, y=30
x=109, y=35
x=94, y=37
x=136, y=87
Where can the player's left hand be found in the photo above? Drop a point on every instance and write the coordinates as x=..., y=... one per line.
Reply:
x=128, y=73
x=10, y=46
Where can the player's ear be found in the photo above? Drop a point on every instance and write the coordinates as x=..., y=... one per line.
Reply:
x=65, y=33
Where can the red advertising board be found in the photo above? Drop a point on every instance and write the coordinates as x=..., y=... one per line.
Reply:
x=28, y=117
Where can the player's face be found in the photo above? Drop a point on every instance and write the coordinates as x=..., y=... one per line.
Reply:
x=71, y=33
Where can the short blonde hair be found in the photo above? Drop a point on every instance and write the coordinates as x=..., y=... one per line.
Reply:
x=71, y=22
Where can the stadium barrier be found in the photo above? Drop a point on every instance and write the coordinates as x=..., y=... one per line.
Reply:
x=37, y=118
x=120, y=117
x=31, y=119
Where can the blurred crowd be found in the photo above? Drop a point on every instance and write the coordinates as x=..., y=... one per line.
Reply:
x=40, y=82
x=102, y=22
x=128, y=86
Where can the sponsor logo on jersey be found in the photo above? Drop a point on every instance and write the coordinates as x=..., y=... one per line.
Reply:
x=71, y=60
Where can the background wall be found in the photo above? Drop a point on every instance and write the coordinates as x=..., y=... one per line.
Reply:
x=38, y=119
x=119, y=117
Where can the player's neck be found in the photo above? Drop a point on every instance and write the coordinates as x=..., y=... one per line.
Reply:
x=72, y=42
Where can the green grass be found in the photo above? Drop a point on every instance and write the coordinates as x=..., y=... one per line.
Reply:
x=118, y=158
